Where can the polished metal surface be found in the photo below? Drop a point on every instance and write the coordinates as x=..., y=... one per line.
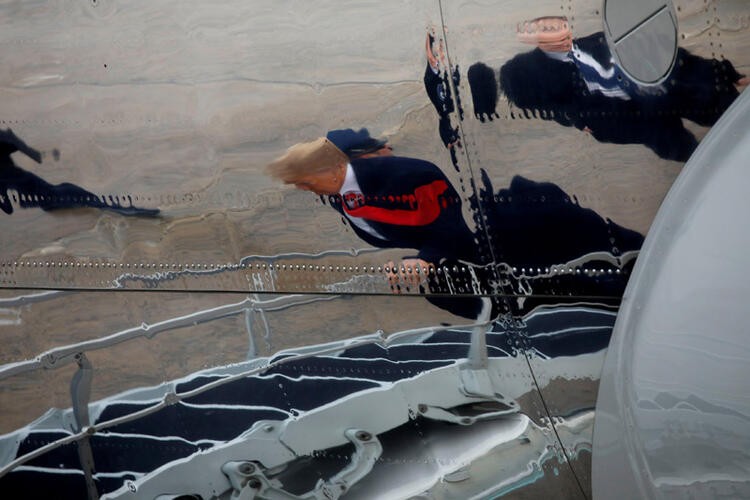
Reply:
x=566, y=346
x=178, y=321
x=673, y=409
x=438, y=416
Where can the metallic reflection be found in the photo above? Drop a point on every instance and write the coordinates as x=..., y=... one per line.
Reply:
x=420, y=379
x=487, y=388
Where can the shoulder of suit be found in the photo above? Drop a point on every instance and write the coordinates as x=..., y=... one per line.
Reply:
x=391, y=162
x=395, y=171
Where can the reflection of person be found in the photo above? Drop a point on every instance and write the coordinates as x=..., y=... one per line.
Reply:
x=537, y=225
x=33, y=191
x=575, y=82
x=437, y=85
x=395, y=202
x=389, y=201
x=483, y=91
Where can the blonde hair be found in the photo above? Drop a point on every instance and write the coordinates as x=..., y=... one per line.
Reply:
x=318, y=156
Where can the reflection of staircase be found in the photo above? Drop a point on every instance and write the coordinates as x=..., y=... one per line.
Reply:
x=278, y=413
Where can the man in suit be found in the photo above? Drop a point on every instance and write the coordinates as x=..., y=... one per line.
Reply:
x=437, y=83
x=576, y=82
x=389, y=201
x=396, y=202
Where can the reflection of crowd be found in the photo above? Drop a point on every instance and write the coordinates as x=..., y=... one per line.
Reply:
x=33, y=191
x=575, y=82
x=396, y=202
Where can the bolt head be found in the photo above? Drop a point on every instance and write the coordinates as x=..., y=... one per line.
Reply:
x=363, y=436
x=247, y=468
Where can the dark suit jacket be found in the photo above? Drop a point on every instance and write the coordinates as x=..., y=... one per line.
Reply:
x=529, y=223
x=698, y=89
x=412, y=204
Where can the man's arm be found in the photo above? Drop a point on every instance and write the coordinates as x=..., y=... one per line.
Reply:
x=411, y=273
x=12, y=143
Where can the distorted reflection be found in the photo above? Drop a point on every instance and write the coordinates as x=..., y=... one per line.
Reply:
x=398, y=202
x=359, y=143
x=389, y=201
x=484, y=92
x=437, y=83
x=28, y=190
x=288, y=413
x=576, y=82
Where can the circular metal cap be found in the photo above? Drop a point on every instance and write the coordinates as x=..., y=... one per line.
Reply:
x=642, y=35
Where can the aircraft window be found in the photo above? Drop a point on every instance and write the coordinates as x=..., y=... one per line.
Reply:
x=642, y=35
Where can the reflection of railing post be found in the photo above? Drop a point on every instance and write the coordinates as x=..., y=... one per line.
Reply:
x=475, y=379
x=478, y=348
x=80, y=393
x=252, y=350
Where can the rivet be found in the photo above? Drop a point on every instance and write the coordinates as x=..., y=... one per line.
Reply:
x=363, y=435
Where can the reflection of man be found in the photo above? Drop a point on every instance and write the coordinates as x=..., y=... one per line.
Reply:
x=575, y=82
x=389, y=201
x=437, y=86
x=33, y=191
x=394, y=202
